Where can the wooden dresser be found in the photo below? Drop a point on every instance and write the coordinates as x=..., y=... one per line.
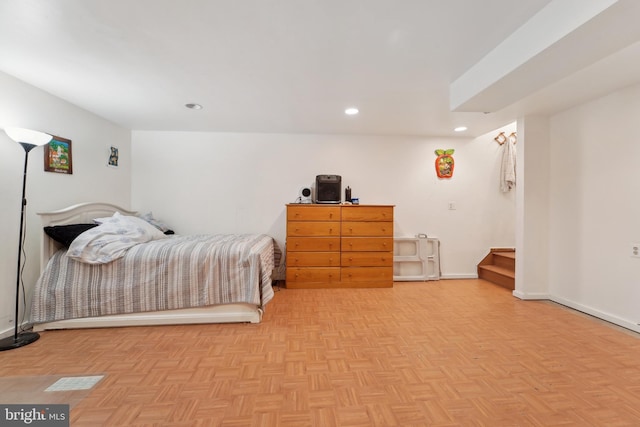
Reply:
x=339, y=246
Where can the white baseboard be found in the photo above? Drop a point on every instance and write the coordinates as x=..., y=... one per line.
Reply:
x=597, y=313
x=10, y=331
x=579, y=307
x=7, y=333
x=530, y=295
x=458, y=276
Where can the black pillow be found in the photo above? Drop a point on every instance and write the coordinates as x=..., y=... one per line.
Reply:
x=65, y=234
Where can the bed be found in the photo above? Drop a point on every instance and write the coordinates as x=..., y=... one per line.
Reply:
x=224, y=283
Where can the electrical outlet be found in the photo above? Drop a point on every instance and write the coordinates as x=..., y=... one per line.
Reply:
x=635, y=250
x=452, y=206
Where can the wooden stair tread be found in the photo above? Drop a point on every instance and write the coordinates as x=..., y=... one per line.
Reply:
x=499, y=267
x=509, y=254
x=500, y=270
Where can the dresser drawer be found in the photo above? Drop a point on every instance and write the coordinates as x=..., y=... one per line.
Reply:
x=367, y=213
x=367, y=274
x=313, y=213
x=313, y=228
x=312, y=244
x=374, y=228
x=313, y=274
x=366, y=259
x=313, y=259
x=365, y=244
x=339, y=246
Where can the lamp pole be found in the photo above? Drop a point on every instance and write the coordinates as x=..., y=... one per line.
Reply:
x=24, y=338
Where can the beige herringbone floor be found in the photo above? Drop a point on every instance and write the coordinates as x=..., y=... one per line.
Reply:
x=444, y=353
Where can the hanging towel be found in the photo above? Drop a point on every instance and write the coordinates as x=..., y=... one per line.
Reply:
x=508, y=166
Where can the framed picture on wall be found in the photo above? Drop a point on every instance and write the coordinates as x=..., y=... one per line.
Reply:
x=57, y=156
x=113, y=157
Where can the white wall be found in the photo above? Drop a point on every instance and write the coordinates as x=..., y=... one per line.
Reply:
x=23, y=105
x=215, y=182
x=229, y=182
x=532, y=208
x=595, y=207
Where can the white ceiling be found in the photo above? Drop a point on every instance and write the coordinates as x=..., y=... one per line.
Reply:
x=293, y=66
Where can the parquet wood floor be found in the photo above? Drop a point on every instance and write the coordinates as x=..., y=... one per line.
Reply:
x=443, y=353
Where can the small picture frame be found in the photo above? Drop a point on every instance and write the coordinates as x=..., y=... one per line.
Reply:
x=57, y=156
x=113, y=157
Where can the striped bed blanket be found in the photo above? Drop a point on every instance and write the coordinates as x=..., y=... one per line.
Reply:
x=173, y=273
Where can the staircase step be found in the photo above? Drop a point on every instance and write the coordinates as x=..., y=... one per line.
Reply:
x=506, y=254
x=505, y=259
x=499, y=267
x=499, y=270
x=504, y=277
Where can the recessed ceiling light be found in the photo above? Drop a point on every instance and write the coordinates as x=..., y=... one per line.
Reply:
x=194, y=106
x=351, y=111
x=460, y=129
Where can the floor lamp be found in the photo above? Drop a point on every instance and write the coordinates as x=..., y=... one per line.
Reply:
x=29, y=139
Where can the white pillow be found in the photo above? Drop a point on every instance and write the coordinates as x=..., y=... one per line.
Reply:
x=112, y=238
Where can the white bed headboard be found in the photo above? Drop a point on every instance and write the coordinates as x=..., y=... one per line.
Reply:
x=82, y=213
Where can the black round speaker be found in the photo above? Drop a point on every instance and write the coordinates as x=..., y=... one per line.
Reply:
x=306, y=192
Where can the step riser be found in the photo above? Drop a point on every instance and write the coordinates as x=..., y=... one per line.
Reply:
x=504, y=262
x=498, y=279
x=499, y=267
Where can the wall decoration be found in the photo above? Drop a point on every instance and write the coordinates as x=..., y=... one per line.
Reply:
x=502, y=138
x=113, y=157
x=444, y=163
x=57, y=156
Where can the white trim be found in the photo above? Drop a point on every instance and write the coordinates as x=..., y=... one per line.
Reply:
x=25, y=326
x=458, y=276
x=597, y=313
x=530, y=295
